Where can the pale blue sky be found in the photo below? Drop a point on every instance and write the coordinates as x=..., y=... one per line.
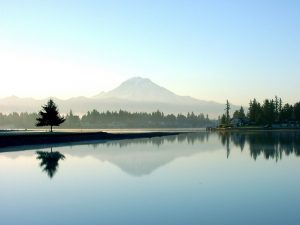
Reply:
x=211, y=50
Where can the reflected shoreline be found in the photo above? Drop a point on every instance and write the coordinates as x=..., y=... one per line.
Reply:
x=270, y=144
x=140, y=157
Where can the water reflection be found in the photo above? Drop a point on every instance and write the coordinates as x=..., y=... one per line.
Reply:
x=49, y=161
x=140, y=157
x=272, y=145
x=184, y=179
x=190, y=138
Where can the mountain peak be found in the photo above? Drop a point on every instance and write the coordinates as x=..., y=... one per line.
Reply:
x=136, y=81
x=139, y=88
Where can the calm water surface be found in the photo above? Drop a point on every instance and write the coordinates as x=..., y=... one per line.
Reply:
x=198, y=178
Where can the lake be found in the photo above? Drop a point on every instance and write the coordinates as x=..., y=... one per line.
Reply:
x=196, y=178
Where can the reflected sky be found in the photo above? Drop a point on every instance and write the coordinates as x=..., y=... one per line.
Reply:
x=197, y=178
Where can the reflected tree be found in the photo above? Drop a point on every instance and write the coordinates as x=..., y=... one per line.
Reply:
x=272, y=145
x=225, y=140
x=49, y=161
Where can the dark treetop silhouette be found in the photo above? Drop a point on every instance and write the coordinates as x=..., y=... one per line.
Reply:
x=49, y=116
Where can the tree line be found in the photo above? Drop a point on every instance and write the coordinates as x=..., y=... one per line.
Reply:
x=269, y=112
x=125, y=119
x=22, y=120
x=111, y=119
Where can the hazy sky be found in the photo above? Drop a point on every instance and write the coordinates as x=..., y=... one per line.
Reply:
x=211, y=50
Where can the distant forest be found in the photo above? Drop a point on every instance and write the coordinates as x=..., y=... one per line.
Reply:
x=112, y=119
x=271, y=111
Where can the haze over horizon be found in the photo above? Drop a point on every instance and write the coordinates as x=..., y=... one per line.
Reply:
x=208, y=50
x=134, y=95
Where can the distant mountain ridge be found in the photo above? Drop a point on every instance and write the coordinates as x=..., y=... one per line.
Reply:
x=135, y=95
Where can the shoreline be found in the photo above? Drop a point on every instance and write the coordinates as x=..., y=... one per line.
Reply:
x=42, y=138
x=253, y=129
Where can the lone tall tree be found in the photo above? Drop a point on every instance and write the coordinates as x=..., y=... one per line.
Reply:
x=49, y=116
x=227, y=113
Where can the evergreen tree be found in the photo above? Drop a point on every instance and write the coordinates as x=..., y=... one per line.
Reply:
x=297, y=111
x=236, y=114
x=242, y=114
x=280, y=105
x=286, y=113
x=227, y=109
x=223, y=119
x=276, y=109
x=268, y=110
x=255, y=112
x=49, y=116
